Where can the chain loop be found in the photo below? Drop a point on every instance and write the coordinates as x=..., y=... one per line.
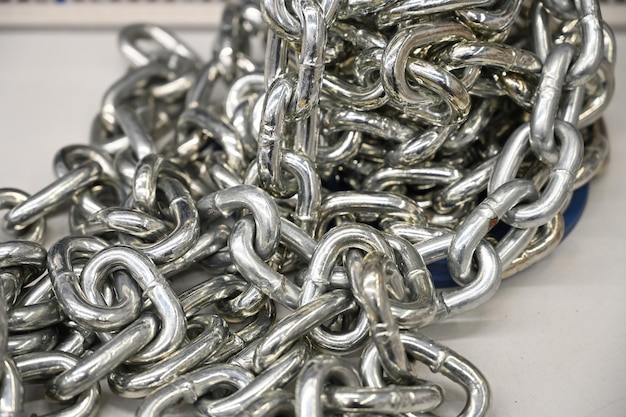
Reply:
x=235, y=222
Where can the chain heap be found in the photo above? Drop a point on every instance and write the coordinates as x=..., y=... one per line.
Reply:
x=372, y=139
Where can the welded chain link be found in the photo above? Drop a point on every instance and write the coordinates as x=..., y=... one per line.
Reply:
x=320, y=179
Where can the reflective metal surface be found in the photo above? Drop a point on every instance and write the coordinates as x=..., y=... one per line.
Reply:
x=329, y=209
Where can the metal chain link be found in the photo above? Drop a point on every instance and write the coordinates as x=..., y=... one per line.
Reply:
x=320, y=179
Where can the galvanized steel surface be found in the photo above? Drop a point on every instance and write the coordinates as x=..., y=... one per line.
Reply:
x=170, y=205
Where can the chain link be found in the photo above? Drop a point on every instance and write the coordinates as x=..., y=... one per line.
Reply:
x=322, y=179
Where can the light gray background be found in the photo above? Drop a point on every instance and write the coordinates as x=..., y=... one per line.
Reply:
x=552, y=342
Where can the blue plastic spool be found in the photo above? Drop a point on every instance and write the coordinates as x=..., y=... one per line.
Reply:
x=573, y=213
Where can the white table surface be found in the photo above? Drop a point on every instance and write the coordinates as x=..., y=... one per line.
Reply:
x=552, y=342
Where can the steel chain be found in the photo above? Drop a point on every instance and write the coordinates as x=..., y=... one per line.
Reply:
x=321, y=179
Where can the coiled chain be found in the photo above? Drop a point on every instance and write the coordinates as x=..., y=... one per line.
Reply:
x=320, y=179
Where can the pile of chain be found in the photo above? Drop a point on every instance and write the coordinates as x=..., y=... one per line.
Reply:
x=321, y=178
